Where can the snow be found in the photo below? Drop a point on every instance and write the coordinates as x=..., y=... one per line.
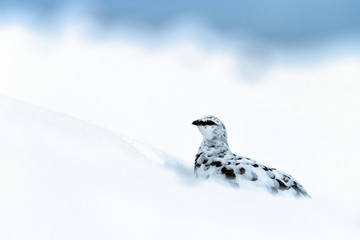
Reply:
x=64, y=178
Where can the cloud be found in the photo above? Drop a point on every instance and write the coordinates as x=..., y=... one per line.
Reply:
x=274, y=21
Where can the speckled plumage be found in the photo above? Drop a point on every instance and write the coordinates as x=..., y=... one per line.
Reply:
x=215, y=159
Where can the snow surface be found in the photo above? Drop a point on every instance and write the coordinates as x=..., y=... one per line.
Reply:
x=64, y=178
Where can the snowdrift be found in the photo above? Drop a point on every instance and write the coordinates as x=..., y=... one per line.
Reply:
x=63, y=178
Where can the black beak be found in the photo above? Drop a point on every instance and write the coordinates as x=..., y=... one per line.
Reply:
x=196, y=122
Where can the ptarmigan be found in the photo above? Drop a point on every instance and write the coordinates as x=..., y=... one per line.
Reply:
x=214, y=159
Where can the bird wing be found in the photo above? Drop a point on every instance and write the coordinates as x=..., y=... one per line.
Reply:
x=251, y=170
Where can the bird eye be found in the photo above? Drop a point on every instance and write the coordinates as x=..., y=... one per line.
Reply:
x=209, y=122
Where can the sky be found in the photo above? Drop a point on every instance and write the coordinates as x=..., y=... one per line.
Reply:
x=277, y=21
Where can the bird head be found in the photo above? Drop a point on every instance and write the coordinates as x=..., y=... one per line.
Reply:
x=211, y=128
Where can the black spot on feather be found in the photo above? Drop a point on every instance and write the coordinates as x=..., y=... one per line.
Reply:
x=197, y=156
x=298, y=190
x=282, y=185
x=242, y=171
x=216, y=163
x=286, y=179
x=254, y=177
x=229, y=173
x=271, y=175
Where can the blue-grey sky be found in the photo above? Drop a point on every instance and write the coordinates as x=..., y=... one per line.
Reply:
x=276, y=20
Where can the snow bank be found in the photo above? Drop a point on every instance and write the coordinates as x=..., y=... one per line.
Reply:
x=63, y=178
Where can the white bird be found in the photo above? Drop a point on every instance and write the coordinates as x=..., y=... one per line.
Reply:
x=214, y=159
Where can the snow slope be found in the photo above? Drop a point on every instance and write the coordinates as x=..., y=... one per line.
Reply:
x=63, y=178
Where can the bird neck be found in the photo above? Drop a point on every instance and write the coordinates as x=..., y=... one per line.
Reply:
x=214, y=145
